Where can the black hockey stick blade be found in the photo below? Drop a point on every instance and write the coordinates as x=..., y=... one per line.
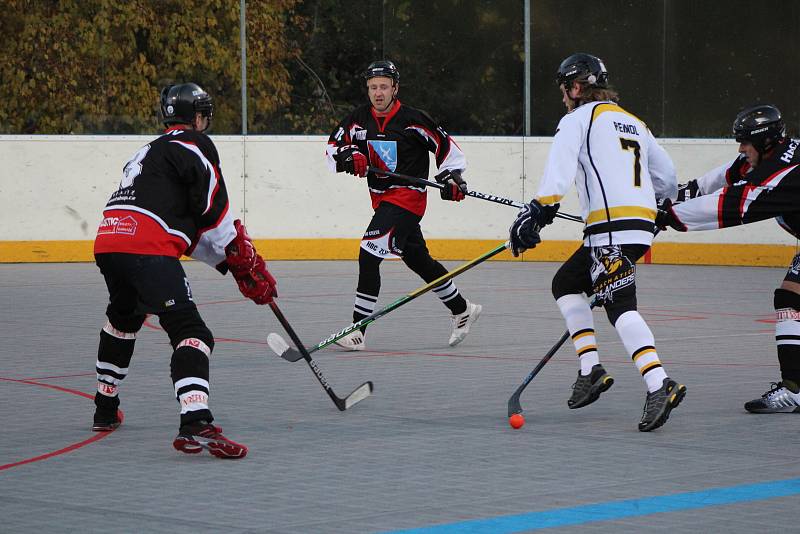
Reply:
x=514, y=405
x=357, y=395
x=280, y=347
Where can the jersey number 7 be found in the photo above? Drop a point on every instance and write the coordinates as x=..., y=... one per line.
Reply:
x=631, y=144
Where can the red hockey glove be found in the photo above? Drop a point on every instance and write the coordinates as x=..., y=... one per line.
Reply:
x=455, y=186
x=240, y=253
x=258, y=284
x=350, y=160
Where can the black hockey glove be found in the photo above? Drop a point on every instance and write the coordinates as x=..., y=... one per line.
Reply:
x=666, y=217
x=455, y=187
x=350, y=160
x=688, y=191
x=524, y=232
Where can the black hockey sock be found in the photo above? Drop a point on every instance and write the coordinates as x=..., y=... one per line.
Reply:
x=113, y=358
x=369, y=286
x=189, y=371
x=429, y=270
x=787, y=333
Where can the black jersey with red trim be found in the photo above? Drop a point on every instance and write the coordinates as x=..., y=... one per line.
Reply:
x=171, y=201
x=398, y=141
x=771, y=189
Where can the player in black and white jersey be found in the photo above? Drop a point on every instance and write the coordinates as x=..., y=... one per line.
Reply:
x=387, y=134
x=619, y=170
x=171, y=202
x=763, y=182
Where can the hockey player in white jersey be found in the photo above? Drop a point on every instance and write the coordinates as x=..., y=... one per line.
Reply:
x=619, y=170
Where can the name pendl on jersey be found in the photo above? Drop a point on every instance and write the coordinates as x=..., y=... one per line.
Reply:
x=625, y=128
x=383, y=154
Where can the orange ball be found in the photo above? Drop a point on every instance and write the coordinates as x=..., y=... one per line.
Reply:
x=516, y=420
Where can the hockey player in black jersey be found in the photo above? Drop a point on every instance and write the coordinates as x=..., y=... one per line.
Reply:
x=387, y=134
x=171, y=202
x=763, y=182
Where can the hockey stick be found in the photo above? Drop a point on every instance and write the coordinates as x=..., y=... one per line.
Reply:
x=288, y=353
x=277, y=343
x=475, y=194
x=514, y=406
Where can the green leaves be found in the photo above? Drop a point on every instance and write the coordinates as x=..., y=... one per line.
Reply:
x=97, y=66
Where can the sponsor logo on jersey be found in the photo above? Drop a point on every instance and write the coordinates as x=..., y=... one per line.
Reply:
x=789, y=154
x=383, y=154
x=116, y=225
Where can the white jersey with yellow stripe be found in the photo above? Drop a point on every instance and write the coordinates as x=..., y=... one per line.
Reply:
x=618, y=169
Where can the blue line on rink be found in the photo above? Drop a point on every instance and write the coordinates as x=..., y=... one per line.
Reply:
x=615, y=510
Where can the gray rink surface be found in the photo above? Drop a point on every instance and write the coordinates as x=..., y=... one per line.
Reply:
x=431, y=446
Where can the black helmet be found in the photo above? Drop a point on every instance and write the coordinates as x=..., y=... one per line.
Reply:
x=382, y=67
x=584, y=68
x=180, y=102
x=761, y=125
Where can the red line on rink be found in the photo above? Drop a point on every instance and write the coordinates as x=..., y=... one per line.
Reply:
x=98, y=436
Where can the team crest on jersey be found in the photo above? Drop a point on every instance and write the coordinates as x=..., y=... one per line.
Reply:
x=383, y=154
x=795, y=268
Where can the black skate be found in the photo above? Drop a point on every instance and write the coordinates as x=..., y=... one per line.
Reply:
x=106, y=415
x=660, y=403
x=783, y=397
x=588, y=388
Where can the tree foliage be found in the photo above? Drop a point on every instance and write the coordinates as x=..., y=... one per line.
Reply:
x=97, y=66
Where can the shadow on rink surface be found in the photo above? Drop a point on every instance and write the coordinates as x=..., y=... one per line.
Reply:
x=432, y=448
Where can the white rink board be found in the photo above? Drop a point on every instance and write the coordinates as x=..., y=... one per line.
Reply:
x=54, y=187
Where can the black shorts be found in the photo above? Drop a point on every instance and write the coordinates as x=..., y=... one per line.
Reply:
x=793, y=274
x=608, y=272
x=393, y=232
x=139, y=284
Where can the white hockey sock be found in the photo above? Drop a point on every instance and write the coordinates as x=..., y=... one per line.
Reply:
x=364, y=305
x=640, y=344
x=447, y=291
x=580, y=323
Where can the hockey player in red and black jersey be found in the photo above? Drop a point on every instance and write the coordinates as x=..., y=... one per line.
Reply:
x=763, y=182
x=387, y=134
x=171, y=202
